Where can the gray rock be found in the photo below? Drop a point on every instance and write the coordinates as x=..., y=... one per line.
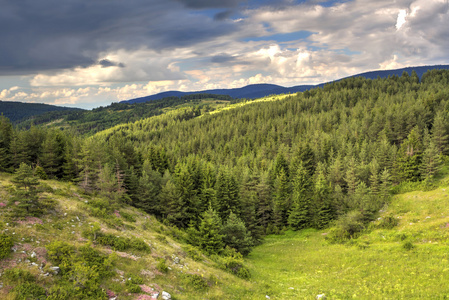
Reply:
x=33, y=255
x=268, y=297
x=166, y=296
x=55, y=270
x=321, y=297
x=176, y=260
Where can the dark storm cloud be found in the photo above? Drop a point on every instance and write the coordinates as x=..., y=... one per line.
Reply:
x=223, y=15
x=105, y=63
x=198, y=4
x=52, y=34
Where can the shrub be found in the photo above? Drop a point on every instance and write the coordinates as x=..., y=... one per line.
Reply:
x=162, y=266
x=119, y=243
x=196, y=282
x=132, y=283
x=192, y=252
x=347, y=227
x=388, y=222
x=233, y=263
x=128, y=217
x=6, y=243
x=28, y=290
x=16, y=275
x=407, y=245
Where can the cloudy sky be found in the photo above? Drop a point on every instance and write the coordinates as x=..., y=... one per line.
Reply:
x=87, y=53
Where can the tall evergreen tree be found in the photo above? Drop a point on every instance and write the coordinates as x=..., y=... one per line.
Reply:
x=235, y=235
x=299, y=216
x=6, y=134
x=209, y=231
x=26, y=194
x=440, y=134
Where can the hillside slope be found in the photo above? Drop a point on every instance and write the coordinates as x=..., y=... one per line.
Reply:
x=401, y=255
x=262, y=90
x=141, y=257
x=16, y=111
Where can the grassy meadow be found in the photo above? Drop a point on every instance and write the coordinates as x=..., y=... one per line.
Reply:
x=409, y=261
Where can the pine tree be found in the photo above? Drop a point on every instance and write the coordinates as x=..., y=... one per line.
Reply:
x=6, y=134
x=235, y=235
x=323, y=211
x=385, y=179
x=440, y=135
x=374, y=177
x=18, y=150
x=409, y=157
x=149, y=187
x=26, y=193
x=299, y=216
x=351, y=178
x=282, y=200
x=209, y=232
x=226, y=194
x=265, y=205
x=431, y=162
x=51, y=157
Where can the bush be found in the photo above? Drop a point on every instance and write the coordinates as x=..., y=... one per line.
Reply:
x=28, y=290
x=6, y=243
x=128, y=217
x=17, y=275
x=119, y=243
x=196, y=282
x=132, y=283
x=407, y=245
x=233, y=263
x=162, y=266
x=193, y=252
x=347, y=227
x=388, y=222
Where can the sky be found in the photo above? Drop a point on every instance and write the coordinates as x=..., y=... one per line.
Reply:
x=90, y=53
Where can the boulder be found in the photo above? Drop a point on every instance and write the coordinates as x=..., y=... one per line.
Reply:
x=166, y=296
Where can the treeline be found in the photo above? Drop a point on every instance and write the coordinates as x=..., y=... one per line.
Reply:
x=18, y=111
x=298, y=162
x=92, y=121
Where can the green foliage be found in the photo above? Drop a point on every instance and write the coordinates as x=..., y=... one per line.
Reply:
x=196, y=282
x=233, y=263
x=6, y=243
x=236, y=236
x=192, y=252
x=28, y=290
x=347, y=227
x=162, y=266
x=132, y=283
x=122, y=243
x=388, y=222
x=128, y=217
x=16, y=275
x=209, y=233
x=26, y=193
x=407, y=245
x=82, y=270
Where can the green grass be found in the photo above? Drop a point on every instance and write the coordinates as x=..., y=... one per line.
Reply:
x=410, y=261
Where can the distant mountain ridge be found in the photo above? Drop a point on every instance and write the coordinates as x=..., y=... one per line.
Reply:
x=261, y=90
x=16, y=111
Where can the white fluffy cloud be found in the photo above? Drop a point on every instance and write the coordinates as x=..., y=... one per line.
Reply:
x=345, y=39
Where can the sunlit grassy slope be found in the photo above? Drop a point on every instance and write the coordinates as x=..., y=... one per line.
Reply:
x=188, y=273
x=410, y=261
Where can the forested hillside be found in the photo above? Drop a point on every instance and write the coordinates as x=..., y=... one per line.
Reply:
x=231, y=176
x=18, y=111
x=89, y=122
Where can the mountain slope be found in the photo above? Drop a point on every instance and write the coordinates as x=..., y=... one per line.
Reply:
x=16, y=111
x=129, y=243
x=262, y=90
